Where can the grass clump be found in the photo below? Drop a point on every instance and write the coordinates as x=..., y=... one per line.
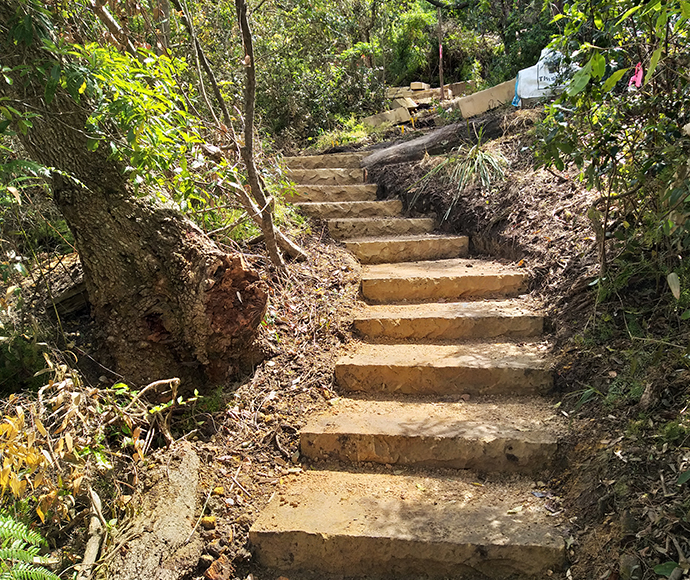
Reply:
x=350, y=131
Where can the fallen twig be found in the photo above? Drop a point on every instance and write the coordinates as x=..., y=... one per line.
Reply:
x=96, y=530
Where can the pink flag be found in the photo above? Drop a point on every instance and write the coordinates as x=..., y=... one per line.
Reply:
x=637, y=77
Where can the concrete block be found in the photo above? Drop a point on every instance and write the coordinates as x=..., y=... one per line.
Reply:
x=486, y=100
x=394, y=117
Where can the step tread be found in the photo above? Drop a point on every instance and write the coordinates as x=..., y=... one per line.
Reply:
x=485, y=355
x=439, y=268
x=361, y=524
x=341, y=228
x=404, y=238
x=327, y=176
x=511, y=437
x=316, y=193
x=451, y=279
x=339, y=160
x=486, y=368
x=343, y=209
x=450, y=320
x=451, y=310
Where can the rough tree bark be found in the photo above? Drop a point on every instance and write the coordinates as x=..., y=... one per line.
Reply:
x=168, y=301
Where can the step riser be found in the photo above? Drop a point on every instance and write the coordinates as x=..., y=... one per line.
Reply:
x=450, y=328
x=337, y=193
x=371, y=209
x=510, y=455
x=394, y=252
x=343, y=229
x=398, y=558
x=381, y=291
x=428, y=380
x=327, y=176
x=333, y=161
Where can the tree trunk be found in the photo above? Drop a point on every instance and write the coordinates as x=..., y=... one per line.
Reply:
x=434, y=143
x=167, y=301
x=266, y=206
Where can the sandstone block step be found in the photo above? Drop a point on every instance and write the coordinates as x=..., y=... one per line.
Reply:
x=317, y=193
x=327, y=176
x=450, y=321
x=331, y=160
x=341, y=229
x=441, y=369
x=446, y=435
x=407, y=248
x=441, y=279
x=345, y=209
x=377, y=525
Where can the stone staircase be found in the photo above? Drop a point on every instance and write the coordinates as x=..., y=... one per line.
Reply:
x=427, y=466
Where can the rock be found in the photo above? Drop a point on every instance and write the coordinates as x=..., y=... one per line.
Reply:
x=629, y=524
x=208, y=522
x=221, y=569
x=205, y=562
x=630, y=568
x=217, y=547
x=167, y=505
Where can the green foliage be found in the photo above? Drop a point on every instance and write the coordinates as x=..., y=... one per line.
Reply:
x=411, y=43
x=621, y=121
x=527, y=31
x=19, y=552
x=160, y=139
x=349, y=131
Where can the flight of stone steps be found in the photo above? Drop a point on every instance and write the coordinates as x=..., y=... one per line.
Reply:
x=429, y=464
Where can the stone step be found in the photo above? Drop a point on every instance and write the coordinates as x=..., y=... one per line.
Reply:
x=317, y=193
x=329, y=161
x=378, y=525
x=327, y=176
x=443, y=369
x=407, y=248
x=446, y=435
x=441, y=279
x=346, y=209
x=341, y=229
x=450, y=321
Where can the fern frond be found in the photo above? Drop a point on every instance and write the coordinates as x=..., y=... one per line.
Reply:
x=14, y=530
x=18, y=554
x=26, y=571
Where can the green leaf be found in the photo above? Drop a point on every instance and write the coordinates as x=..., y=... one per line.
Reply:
x=598, y=65
x=629, y=13
x=685, y=316
x=652, y=64
x=580, y=80
x=685, y=476
x=665, y=569
x=685, y=9
x=613, y=79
